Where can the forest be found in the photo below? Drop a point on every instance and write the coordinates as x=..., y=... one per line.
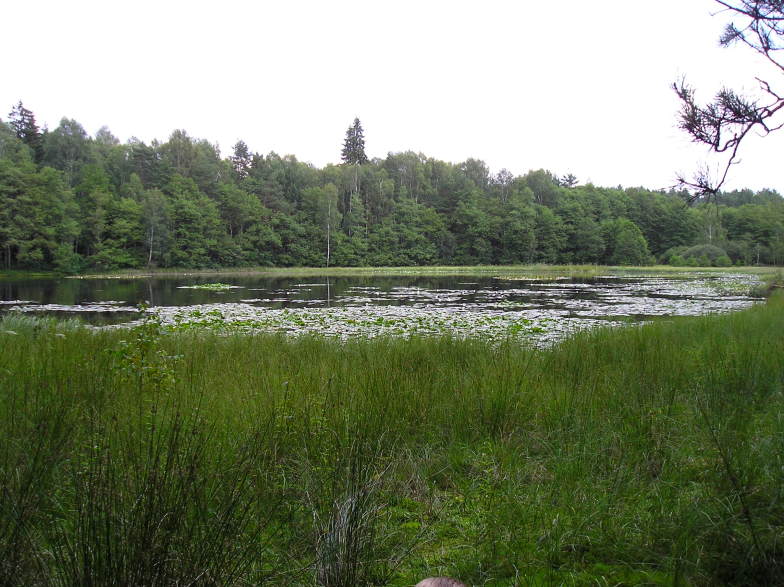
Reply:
x=72, y=202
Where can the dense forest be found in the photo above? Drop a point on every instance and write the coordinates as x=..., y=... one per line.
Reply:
x=72, y=202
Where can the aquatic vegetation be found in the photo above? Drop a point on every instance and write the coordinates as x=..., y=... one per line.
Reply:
x=554, y=272
x=736, y=285
x=211, y=286
x=535, y=312
x=529, y=310
x=373, y=321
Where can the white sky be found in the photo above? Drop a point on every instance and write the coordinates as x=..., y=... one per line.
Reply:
x=569, y=86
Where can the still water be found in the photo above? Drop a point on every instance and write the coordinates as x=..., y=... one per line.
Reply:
x=370, y=305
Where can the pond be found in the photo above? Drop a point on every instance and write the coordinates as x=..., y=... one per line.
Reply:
x=540, y=310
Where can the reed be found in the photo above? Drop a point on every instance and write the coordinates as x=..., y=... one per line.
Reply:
x=645, y=454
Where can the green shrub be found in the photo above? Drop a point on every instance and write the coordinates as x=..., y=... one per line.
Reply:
x=677, y=261
x=705, y=254
x=723, y=261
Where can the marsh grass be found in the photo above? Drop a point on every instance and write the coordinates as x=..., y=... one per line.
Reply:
x=344, y=495
x=772, y=282
x=535, y=271
x=641, y=455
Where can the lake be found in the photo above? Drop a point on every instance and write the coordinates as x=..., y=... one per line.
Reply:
x=528, y=307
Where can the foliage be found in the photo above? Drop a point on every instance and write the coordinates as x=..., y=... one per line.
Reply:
x=92, y=203
x=626, y=243
x=22, y=122
x=711, y=252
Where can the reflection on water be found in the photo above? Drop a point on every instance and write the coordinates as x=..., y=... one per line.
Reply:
x=111, y=301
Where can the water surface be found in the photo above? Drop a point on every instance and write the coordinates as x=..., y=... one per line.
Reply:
x=462, y=305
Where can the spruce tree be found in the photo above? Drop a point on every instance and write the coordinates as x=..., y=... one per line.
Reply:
x=241, y=160
x=23, y=123
x=353, y=152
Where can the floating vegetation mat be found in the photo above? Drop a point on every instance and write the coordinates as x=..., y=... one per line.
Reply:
x=211, y=286
x=538, y=313
x=539, y=310
x=372, y=321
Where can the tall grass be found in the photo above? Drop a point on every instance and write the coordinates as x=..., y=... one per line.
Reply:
x=538, y=270
x=641, y=455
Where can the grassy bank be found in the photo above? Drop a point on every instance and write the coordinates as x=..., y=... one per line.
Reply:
x=642, y=455
x=478, y=270
x=10, y=275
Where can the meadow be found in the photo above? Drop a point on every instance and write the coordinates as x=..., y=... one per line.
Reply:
x=648, y=455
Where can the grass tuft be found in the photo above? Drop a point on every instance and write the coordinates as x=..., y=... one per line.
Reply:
x=643, y=455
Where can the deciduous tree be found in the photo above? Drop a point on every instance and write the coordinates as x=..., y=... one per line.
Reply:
x=67, y=148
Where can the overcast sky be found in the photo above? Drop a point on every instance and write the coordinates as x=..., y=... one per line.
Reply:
x=572, y=86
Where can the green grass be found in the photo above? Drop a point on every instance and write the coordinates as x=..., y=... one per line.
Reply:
x=10, y=275
x=772, y=282
x=538, y=270
x=647, y=455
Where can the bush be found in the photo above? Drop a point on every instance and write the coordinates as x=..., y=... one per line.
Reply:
x=706, y=255
x=723, y=261
x=676, y=261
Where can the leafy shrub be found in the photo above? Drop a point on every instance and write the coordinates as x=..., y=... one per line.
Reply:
x=676, y=261
x=723, y=261
x=705, y=254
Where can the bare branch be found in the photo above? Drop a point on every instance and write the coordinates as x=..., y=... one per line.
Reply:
x=725, y=122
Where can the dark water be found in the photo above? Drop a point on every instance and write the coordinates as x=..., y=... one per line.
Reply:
x=279, y=292
x=106, y=301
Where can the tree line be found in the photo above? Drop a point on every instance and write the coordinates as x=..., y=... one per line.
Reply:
x=73, y=202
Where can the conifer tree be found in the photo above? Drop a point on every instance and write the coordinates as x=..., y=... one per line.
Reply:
x=724, y=124
x=353, y=152
x=241, y=160
x=23, y=124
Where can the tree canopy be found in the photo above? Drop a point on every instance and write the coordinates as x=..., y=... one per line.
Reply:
x=92, y=202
